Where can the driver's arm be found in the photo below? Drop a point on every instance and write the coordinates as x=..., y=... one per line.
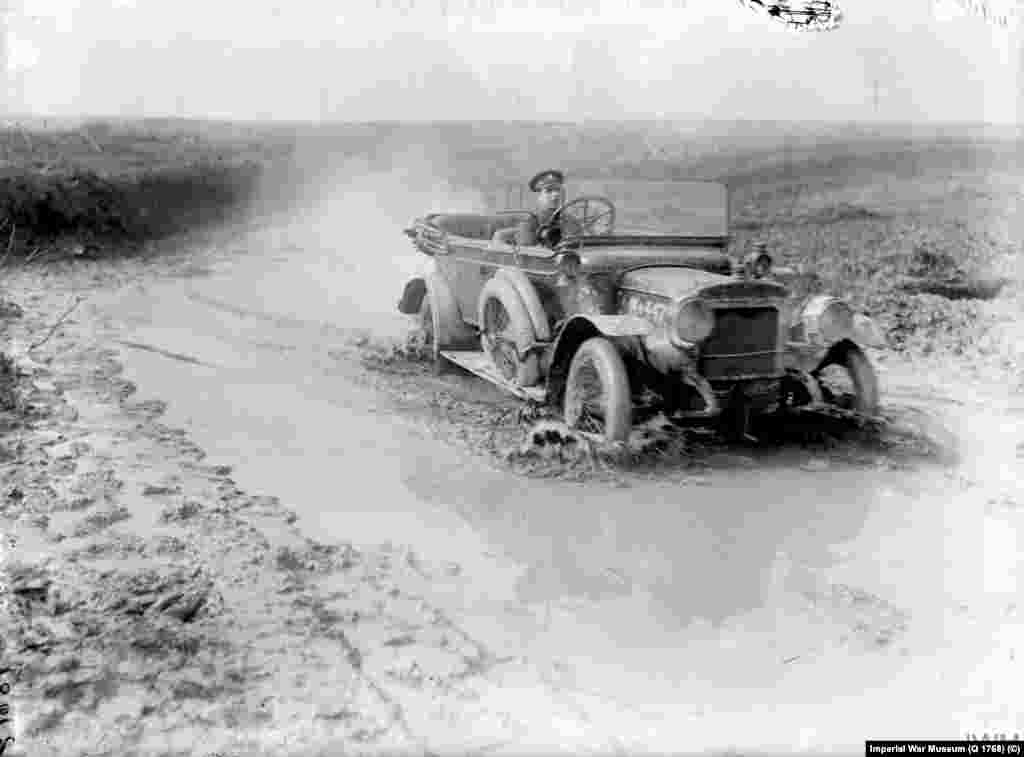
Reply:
x=570, y=226
x=506, y=236
x=527, y=231
x=524, y=234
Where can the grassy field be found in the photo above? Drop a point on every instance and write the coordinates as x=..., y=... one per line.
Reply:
x=100, y=182
x=856, y=210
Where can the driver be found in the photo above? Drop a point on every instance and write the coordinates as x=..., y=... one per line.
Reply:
x=549, y=186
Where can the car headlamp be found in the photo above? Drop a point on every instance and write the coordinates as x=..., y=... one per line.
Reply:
x=828, y=319
x=694, y=321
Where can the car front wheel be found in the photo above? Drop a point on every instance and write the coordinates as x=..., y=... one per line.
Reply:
x=848, y=380
x=597, y=395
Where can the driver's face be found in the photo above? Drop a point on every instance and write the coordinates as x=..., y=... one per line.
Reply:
x=550, y=197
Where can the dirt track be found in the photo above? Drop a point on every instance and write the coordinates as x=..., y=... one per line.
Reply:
x=290, y=540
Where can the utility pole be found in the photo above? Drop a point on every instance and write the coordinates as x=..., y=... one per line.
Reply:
x=878, y=65
x=325, y=103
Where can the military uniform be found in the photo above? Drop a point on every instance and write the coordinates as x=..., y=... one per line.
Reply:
x=526, y=233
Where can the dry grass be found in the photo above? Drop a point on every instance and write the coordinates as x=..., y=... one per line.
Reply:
x=869, y=243
x=102, y=184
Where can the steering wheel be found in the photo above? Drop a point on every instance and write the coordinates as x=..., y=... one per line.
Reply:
x=587, y=215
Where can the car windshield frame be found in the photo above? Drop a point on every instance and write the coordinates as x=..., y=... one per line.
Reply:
x=684, y=208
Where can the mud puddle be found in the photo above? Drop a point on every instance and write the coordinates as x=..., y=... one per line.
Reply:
x=861, y=595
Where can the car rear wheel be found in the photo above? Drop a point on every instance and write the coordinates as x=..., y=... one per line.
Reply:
x=506, y=332
x=429, y=329
x=848, y=380
x=597, y=395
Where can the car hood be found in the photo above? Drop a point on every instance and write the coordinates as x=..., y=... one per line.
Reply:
x=626, y=257
x=675, y=282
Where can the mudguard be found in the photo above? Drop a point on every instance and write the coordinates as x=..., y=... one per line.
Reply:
x=520, y=328
x=453, y=332
x=810, y=347
x=577, y=330
x=412, y=296
x=416, y=287
x=618, y=325
x=531, y=300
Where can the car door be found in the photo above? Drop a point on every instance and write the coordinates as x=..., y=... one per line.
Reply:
x=474, y=261
x=466, y=267
x=469, y=262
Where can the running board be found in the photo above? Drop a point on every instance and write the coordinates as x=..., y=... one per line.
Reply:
x=480, y=364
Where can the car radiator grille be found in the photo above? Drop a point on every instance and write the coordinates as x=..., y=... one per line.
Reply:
x=744, y=343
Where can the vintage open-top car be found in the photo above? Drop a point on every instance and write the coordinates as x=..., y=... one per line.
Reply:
x=603, y=322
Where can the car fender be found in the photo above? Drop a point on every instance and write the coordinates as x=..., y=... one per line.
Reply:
x=528, y=294
x=412, y=296
x=807, y=347
x=577, y=330
x=416, y=287
x=809, y=357
x=454, y=333
x=620, y=325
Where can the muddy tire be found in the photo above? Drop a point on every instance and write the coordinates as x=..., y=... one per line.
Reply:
x=506, y=333
x=848, y=380
x=429, y=328
x=597, y=395
x=447, y=331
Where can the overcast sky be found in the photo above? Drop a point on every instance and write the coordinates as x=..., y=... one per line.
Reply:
x=557, y=59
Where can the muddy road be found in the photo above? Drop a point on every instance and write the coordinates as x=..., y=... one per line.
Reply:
x=803, y=596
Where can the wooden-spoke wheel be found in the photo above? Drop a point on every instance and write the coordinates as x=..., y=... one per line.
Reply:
x=506, y=333
x=597, y=395
x=498, y=341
